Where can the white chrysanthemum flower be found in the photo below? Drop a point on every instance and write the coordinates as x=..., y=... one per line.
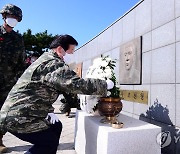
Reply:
x=108, y=72
x=99, y=70
x=97, y=62
x=90, y=72
x=108, y=59
x=104, y=63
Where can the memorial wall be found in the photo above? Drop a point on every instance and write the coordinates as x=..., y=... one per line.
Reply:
x=146, y=43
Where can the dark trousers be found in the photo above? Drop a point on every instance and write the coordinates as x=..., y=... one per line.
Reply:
x=3, y=96
x=45, y=142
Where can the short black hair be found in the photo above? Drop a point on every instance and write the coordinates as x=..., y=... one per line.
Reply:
x=64, y=41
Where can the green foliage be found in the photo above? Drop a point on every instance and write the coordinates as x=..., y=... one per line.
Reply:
x=38, y=42
x=115, y=90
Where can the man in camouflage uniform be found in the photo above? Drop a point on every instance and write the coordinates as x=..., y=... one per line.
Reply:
x=11, y=54
x=28, y=113
x=69, y=101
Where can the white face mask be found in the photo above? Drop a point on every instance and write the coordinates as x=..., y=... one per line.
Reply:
x=68, y=58
x=11, y=22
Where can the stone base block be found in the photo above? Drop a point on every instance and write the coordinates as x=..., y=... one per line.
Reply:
x=136, y=137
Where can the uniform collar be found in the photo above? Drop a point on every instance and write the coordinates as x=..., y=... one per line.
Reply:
x=3, y=30
x=55, y=54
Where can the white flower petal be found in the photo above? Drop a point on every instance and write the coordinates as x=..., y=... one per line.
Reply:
x=104, y=63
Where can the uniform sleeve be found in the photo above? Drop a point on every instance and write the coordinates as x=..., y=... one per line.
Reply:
x=66, y=80
x=21, y=58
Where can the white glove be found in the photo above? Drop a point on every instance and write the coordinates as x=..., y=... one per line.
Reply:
x=53, y=118
x=110, y=84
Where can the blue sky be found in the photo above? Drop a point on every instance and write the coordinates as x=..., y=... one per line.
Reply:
x=83, y=19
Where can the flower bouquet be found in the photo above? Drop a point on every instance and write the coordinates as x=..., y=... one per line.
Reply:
x=102, y=68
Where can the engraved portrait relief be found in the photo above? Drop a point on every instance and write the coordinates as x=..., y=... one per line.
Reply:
x=130, y=62
x=77, y=68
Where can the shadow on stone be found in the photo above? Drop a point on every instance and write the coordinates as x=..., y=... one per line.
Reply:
x=91, y=141
x=71, y=116
x=66, y=146
x=158, y=113
x=170, y=136
x=19, y=148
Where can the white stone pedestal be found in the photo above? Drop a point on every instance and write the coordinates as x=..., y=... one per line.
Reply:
x=136, y=137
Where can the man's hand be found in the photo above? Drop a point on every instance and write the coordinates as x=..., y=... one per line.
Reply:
x=110, y=84
x=53, y=118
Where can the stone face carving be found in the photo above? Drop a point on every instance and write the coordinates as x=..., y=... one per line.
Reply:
x=77, y=68
x=130, y=62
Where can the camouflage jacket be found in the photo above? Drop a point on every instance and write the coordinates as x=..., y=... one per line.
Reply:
x=31, y=99
x=12, y=57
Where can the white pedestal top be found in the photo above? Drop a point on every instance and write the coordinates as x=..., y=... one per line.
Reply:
x=136, y=137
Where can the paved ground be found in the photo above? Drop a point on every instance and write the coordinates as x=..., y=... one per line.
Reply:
x=66, y=146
